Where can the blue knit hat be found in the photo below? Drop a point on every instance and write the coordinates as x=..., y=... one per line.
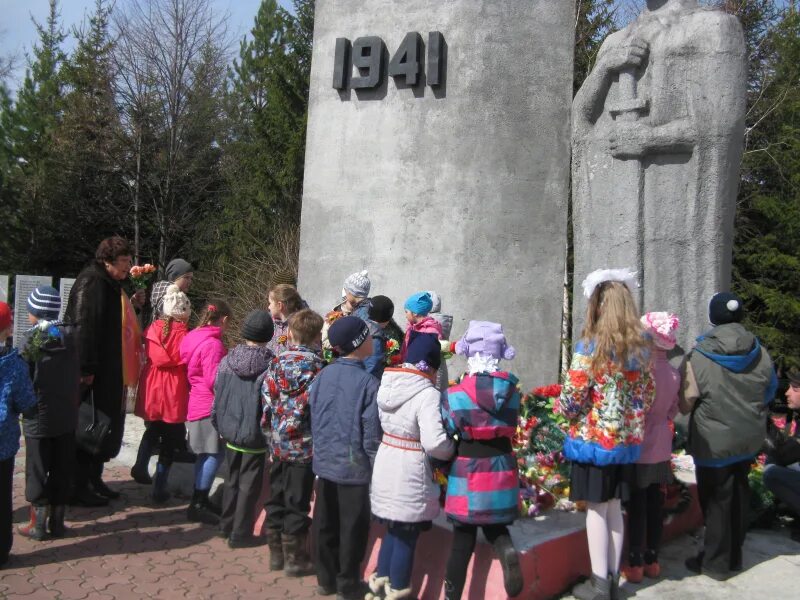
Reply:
x=424, y=351
x=420, y=303
x=44, y=303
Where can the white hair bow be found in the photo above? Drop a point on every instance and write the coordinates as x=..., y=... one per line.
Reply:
x=599, y=276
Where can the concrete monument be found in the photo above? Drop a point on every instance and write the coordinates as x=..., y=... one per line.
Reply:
x=657, y=144
x=23, y=286
x=437, y=158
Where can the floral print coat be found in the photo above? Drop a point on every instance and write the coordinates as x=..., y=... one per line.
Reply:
x=606, y=410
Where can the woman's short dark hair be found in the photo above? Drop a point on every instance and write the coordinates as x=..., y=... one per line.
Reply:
x=110, y=249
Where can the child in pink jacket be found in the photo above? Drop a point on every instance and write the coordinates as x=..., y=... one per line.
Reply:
x=653, y=471
x=417, y=308
x=202, y=350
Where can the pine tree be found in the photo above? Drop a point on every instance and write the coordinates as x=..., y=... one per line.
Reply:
x=767, y=245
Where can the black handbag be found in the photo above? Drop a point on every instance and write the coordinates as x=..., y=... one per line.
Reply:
x=93, y=426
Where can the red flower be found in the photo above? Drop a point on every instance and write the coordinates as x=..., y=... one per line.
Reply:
x=632, y=376
x=548, y=391
x=578, y=378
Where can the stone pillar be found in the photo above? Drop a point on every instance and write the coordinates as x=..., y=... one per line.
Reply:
x=459, y=187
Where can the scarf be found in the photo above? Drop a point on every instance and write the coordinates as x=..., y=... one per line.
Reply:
x=131, y=342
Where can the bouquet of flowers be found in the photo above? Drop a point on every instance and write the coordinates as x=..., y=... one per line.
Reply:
x=140, y=276
x=327, y=352
x=40, y=336
x=392, y=349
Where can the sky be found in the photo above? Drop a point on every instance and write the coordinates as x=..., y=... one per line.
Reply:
x=17, y=32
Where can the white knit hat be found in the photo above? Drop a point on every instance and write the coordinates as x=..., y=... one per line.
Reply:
x=358, y=284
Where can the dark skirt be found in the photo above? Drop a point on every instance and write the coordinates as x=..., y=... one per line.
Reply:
x=590, y=483
x=646, y=475
x=402, y=525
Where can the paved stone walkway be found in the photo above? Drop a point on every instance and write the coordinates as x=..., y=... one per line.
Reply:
x=132, y=550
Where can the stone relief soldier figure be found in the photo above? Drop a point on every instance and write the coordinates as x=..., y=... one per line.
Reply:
x=658, y=129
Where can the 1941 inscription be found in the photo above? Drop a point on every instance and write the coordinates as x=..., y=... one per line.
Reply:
x=366, y=54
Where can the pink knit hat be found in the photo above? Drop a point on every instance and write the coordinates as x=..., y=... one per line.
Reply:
x=661, y=326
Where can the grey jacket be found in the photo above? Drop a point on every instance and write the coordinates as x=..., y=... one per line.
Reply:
x=237, y=410
x=729, y=381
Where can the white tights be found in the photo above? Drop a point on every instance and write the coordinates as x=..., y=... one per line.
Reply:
x=605, y=530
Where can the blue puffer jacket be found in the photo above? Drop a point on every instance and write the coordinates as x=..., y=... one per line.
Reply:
x=345, y=427
x=16, y=397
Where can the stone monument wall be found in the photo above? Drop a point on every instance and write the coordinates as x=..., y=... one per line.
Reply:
x=456, y=183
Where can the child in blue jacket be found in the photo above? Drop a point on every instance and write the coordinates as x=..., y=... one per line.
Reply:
x=16, y=397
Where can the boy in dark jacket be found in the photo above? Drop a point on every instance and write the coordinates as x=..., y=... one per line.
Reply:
x=16, y=396
x=52, y=355
x=346, y=433
x=729, y=382
x=236, y=415
x=291, y=479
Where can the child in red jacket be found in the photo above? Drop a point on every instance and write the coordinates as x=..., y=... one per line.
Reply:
x=163, y=384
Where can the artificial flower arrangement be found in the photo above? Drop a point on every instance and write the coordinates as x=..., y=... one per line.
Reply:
x=40, y=336
x=140, y=276
x=543, y=470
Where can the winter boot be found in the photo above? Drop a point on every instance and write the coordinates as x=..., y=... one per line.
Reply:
x=198, y=511
x=35, y=529
x=99, y=486
x=298, y=562
x=509, y=560
x=139, y=471
x=160, y=493
x=615, y=592
x=275, y=550
x=595, y=588
x=651, y=567
x=377, y=587
x=392, y=594
x=55, y=522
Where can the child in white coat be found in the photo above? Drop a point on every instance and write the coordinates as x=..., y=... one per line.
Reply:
x=404, y=494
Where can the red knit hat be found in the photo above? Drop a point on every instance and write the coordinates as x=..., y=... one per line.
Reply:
x=5, y=316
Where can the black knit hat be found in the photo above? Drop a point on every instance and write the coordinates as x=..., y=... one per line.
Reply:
x=725, y=307
x=347, y=333
x=424, y=347
x=382, y=309
x=258, y=326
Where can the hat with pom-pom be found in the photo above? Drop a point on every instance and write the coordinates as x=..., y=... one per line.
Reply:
x=725, y=307
x=357, y=284
x=661, y=327
x=486, y=338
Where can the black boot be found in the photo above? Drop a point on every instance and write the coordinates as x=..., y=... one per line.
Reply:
x=198, y=512
x=509, y=560
x=298, y=562
x=213, y=502
x=82, y=495
x=35, y=529
x=55, y=522
x=96, y=479
x=275, y=543
x=139, y=471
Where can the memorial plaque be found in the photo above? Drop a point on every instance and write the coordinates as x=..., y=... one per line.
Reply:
x=65, y=285
x=442, y=162
x=23, y=286
x=3, y=288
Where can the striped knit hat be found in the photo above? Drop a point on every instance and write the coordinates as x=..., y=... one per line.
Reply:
x=44, y=303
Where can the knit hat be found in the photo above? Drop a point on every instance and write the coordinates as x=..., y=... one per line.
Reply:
x=436, y=302
x=258, y=326
x=5, y=316
x=382, y=309
x=44, y=303
x=176, y=304
x=486, y=338
x=347, y=333
x=419, y=304
x=177, y=268
x=661, y=327
x=284, y=276
x=725, y=307
x=424, y=351
x=358, y=284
